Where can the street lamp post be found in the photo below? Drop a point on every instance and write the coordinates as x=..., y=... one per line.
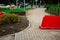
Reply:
x=36, y=3
x=33, y=3
x=16, y=3
x=24, y=5
x=40, y=2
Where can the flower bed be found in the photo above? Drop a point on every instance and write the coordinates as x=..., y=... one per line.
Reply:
x=1, y=15
x=12, y=23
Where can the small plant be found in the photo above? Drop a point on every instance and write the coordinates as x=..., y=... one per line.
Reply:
x=9, y=18
x=14, y=18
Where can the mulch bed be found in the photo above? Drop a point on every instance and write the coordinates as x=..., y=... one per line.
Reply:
x=14, y=28
x=20, y=13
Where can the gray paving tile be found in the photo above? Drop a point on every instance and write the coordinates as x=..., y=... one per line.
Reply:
x=34, y=33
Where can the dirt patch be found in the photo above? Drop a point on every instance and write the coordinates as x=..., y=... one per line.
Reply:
x=20, y=13
x=13, y=28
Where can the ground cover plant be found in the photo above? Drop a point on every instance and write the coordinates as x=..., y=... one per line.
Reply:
x=8, y=10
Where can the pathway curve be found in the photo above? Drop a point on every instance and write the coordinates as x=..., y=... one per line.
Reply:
x=34, y=33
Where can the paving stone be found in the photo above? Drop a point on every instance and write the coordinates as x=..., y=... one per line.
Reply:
x=34, y=33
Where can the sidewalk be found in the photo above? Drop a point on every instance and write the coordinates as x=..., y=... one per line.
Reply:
x=34, y=33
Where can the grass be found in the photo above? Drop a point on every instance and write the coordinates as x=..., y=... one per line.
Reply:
x=15, y=10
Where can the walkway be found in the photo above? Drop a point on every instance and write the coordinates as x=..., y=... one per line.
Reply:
x=34, y=33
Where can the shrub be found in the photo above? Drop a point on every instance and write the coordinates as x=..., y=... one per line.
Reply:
x=6, y=18
x=53, y=9
x=9, y=18
x=14, y=18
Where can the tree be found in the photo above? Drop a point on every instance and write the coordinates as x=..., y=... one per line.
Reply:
x=7, y=2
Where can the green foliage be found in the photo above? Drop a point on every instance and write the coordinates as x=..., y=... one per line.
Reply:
x=3, y=9
x=53, y=9
x=14, y=18
x=9, y=18
x=7, y=10
x=6, y=18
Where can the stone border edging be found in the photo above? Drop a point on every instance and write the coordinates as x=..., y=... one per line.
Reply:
x=25, y=29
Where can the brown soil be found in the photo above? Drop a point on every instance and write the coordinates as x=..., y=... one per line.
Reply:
x=20, y=13
x=13, y=28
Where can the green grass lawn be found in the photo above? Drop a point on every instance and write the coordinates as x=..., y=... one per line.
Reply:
x=15, y=10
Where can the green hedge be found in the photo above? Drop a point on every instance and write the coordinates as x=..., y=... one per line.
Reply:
x=7, y=10
x=53, y=9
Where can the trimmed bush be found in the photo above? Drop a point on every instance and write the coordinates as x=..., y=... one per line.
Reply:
x=8, y=10
x=9, y=18
x=14, y=18
x=53, y=9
